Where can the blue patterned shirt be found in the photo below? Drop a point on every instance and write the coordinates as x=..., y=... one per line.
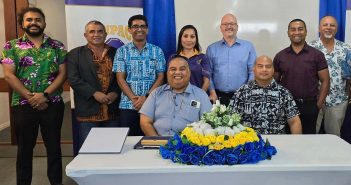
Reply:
x=335, y=59
x=141, y=68
x=231, y=66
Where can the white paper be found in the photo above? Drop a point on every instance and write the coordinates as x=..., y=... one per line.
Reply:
x=104, y=140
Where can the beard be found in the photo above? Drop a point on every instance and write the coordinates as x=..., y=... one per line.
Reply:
x=34, y=33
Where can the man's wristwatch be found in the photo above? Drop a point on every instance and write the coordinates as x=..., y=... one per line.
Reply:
x=46, y=95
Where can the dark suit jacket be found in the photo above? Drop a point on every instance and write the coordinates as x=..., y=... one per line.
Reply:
x=84, y=81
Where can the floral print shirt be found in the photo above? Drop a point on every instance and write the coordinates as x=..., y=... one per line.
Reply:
x=265, y=109
x=35, y=67
x=335, y=59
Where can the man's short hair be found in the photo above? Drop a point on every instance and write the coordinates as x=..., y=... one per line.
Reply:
x=29, y=9
x=96, y=23
x=178, y=56
x=297, y=20
x=136, y=17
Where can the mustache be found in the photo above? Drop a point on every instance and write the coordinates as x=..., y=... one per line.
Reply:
x=33, y=25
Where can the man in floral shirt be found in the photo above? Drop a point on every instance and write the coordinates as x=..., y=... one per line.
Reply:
x=335, y=53
x=35, y=69
x=265, y=105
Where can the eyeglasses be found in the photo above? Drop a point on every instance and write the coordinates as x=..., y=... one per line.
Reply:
x=135, y=27
x=229, y=24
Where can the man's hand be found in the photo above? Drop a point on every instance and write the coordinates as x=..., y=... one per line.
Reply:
x=213, y=96
x=42, y=106
x=112, y=96
x=139, y=101
x=101, y=97
x=320, y=104
x=36, y=99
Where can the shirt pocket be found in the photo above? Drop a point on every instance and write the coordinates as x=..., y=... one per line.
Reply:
x=189, y=113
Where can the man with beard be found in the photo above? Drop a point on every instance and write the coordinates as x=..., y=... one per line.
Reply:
x=300, y=68
x=265, y=105
x=140, y=68
x=35, y=69
x=95, y=86
x=172, y=106
x=231, y=61
x=335, y=53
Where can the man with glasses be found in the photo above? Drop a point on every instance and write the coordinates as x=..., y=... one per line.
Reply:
x=140, y=68
x=231, y=61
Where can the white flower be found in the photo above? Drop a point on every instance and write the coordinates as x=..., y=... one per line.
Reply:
x=198, y=130
x=205, y=126
x=236, y=130
x=230, y=123
x=228, y=131
x=223, y=108
x=241, y=127
x=209, y=132
x=220, y=130
x=218, y=103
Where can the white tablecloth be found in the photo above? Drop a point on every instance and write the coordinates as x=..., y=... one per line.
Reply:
x=301, y=160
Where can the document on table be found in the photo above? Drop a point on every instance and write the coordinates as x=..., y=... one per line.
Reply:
x=104, y=141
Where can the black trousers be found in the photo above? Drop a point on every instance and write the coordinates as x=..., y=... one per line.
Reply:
x=224, y=97
x=308, y=115
x=27, y=122
x=131, y=118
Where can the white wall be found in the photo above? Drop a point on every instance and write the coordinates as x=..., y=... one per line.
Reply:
x=263, y=22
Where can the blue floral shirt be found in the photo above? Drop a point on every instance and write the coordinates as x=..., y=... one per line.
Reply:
x=35, y=67
x=141, y=68
x=335, y=59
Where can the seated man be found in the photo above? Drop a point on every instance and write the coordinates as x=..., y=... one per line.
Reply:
x=265, y=105
x=170, y=107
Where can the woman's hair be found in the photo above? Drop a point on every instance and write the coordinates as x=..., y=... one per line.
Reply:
x=180, y=46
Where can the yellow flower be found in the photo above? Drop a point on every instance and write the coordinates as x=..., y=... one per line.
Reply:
x=220, y=139
x=227, y=144
x=205, y=141
x=218, y=146
x=212, y=138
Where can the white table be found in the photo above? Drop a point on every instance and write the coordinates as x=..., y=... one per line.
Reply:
x=301, y=160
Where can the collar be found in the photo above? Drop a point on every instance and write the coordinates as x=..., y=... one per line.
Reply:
x=132, y=45
x=196, y=52
x=237, y=41
x=273, y=84
x=187, y=90
x=304, y=49
x=24, y=38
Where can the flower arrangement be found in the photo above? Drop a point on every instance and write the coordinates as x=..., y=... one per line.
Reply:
x=218, y=138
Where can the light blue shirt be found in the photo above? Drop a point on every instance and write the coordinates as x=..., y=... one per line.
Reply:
x=171, y=111
x=141, y=68
x=231, y=66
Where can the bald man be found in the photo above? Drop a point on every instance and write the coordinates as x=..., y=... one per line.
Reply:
x=231, y=61
x=265, y=105
x=170, y=107
x=335, y=52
